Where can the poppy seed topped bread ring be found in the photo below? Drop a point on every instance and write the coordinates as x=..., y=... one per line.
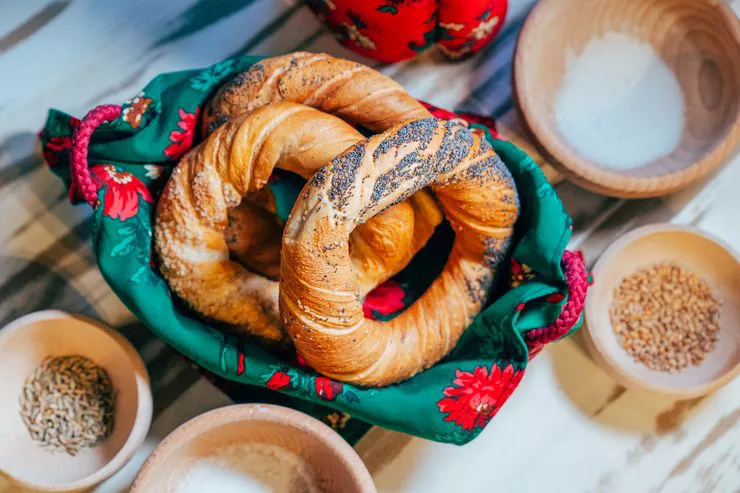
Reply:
x=357, y=94
x=378, y=248
x=319, y=300
x=192, y=215
x=354, y=92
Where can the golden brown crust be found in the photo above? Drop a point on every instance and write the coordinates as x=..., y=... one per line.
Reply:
x=192, y=225
x=380, y=248
x=319, y=300
x=352, y=91
x=385, y=244
x=380, y=251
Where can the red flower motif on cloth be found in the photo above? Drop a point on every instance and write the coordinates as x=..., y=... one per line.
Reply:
x=464, y=119
x=487, y=122
x=278, y=380
x=439, y=112
x=476, y=397
x=122, y=191
x=301, y=361
x=55, y=145
x=555, y=298
x=152, y=257
x=182, y=140
x=328, y=389
x=241, y=358
x=384, y=299
x=520, y=273
x=132, y=114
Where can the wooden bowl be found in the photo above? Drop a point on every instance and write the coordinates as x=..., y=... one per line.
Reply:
x=24, y=343
x=701, y=253
x=699, y=41
x=336, y=466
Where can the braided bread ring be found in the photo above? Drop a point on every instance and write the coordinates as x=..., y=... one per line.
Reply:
x=192, y=212
x=319, y=303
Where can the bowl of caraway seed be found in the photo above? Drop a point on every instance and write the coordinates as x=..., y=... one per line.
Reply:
x=663, y=313
x=76, y=401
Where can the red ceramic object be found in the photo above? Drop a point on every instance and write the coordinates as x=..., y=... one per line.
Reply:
x=393, y=30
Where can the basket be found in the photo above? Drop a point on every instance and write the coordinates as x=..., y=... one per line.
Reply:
x=118, y=159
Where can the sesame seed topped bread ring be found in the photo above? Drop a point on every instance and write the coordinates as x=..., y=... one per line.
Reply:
x=192, y=216
x=319, y=300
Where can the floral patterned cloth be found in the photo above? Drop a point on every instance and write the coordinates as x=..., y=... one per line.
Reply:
x=130, y=160
x=393, y=30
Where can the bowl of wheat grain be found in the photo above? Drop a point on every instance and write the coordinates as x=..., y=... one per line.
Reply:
x=76, y=401
x=663, y=313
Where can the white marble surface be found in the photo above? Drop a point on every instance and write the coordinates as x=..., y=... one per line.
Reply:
x=568, y=428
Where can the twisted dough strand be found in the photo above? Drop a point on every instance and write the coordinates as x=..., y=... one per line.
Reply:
x=380, y=248
x=192, y=213
x=352, y=91
x=319, y=301
x=358, y=94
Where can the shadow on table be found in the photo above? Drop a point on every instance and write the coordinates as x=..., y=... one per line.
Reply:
x=607, y=403
x=42, y=253
x=392, y=457
x=380, y=447
x=169, y=374
x=29, y=285
x=35, y=200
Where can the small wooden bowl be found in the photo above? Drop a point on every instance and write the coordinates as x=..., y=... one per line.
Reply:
x=699, y=252
x=700, y=43
x=337, y=467
x=24, y=343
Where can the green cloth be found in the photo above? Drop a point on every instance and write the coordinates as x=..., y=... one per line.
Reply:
x=130, y=159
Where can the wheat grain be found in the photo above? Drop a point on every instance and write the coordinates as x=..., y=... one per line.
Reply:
x=665, y=317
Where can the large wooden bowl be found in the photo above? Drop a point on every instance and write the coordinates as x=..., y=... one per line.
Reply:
x=336, y=466
x=700, y=42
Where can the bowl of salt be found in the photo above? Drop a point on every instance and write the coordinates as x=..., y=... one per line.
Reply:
x=254, y=448
x=631, y=98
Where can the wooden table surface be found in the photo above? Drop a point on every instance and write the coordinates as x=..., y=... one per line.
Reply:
x=569, y=427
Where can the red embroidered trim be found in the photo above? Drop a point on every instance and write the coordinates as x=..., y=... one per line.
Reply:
x=82, y=182
x=577, y=278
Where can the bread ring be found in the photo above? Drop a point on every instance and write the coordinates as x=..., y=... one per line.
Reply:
x=380, y=248
x=192, y=213
x=319, y=301
x=352, y=91
x=360, y=95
